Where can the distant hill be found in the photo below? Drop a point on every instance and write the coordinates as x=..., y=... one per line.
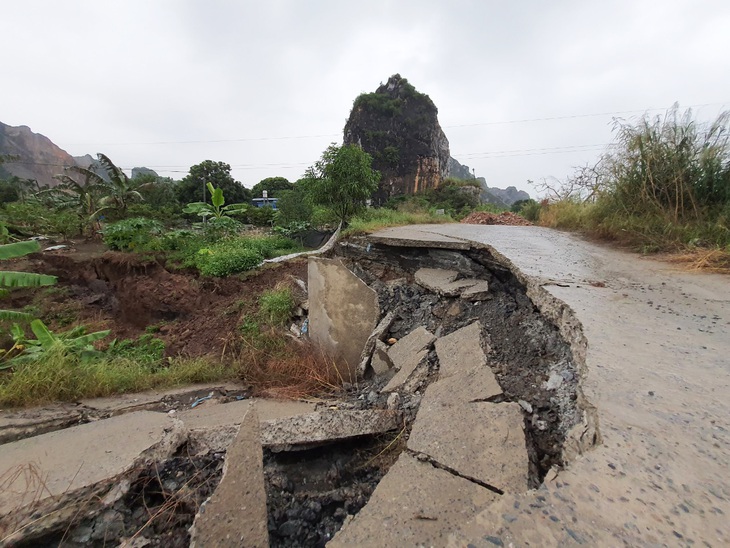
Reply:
x=503, y=197
x=398, y=126
x=38, y=158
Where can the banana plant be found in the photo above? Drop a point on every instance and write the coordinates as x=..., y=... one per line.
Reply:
x=216, y=209
x=75, y=341
x=10, y=279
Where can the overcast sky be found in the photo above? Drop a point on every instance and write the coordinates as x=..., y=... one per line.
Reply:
x=525, y=90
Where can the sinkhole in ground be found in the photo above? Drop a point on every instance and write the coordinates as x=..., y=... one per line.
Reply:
x=311, y=492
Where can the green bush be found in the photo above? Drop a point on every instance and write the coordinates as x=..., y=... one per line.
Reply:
x=226, y=262
x=32, y=218
x=136, y=234
x=261, y=216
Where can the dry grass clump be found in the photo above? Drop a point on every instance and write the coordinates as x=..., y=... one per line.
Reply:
x=708, y=260
x=296, y=371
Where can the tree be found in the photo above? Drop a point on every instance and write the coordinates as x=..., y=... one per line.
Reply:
x=342, y=180
x=216, y=209
x=193, y=188
x=273, y=185
x=118, y=190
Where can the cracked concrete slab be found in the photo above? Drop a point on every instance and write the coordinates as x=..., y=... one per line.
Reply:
x=343, y=312
x=232, y=413
x=652, y=342
x=235, y=515
x=415, y=504
x=482, y=441
x=325, y=426
x=60, y=462
x=406, y=237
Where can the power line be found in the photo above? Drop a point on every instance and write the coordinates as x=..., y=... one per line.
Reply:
x=329, y=135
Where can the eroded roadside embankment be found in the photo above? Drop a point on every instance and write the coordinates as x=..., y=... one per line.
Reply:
x=532, y=345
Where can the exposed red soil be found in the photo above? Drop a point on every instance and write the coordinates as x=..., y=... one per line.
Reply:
x=126, y=293
x=504, y=218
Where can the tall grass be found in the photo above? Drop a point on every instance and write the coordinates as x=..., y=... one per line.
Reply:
x=663, y=184
x=376, y=219
x=59, y=376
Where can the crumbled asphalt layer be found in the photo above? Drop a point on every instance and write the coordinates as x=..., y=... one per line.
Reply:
x=310, y=493
x=158, y=508
x=532, y=362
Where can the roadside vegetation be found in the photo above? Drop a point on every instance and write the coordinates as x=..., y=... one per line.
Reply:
x=203, y=226
x=662, y=186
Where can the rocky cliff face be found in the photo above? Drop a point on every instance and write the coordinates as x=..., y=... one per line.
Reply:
x=499, y=196
x=38, y=158
x=398, y=127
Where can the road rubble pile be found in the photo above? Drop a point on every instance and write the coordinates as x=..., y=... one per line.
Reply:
x=504, y=218
x=457, y=391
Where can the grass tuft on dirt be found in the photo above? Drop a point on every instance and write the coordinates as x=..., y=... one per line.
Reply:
x=373, y=220
x=60, y=376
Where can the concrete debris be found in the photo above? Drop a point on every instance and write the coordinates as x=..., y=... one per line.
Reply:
x=305, y=431
x=443, y=282
x=416, y=341
x=493, y=453
x=235, y=515
x=375, y=337
x=525, y=405
x=461, y=351
x=477, y=292
x=415, y=504
x=554, y=382
x=343, y=311
x=381, y=362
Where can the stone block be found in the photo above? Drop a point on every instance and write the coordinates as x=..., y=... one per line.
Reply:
x=381, y=362
x=325, y=426
x=415, y=504
x=343, y=311
x=235, y=515
x=484, y=441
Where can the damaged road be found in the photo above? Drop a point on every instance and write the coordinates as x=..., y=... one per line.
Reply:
x=479, y=362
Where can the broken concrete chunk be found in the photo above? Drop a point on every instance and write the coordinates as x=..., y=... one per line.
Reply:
x=415, y=504
x=416, y=341
x=343, y=311
x=407, y=354
x=477, y=292
x=325, y=426
x=494, y=450
x=376, y=336
x=381, y=362
x=235, y=515
x=461, y=351
x=407, y=368
x=443, y=282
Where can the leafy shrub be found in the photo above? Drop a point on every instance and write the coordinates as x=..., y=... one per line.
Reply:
x=260, y=216
x=34, y=218
x=221, y=227
x=294, y=207
x=132, y=234
x=226, y=262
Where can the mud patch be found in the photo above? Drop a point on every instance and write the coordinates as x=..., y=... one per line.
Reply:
x=127, y=293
